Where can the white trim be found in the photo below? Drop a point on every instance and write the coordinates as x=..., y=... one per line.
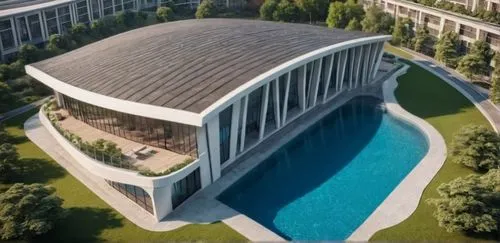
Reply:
x=125, y=106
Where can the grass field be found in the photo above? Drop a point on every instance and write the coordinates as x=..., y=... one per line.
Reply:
x=90, y=218
x=430, y=98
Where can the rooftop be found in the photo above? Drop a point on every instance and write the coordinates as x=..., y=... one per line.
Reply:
x=187, y=65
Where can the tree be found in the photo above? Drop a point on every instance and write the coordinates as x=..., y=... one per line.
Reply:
x=206, y=10
x=267, y=9
x=377, y=21
x=29, y=53
x=476, y=147
x=125, y=19
x=341, y=14
x=285, y=11
x=483, y=50
x=354, y=24
x=313, y=8
x=8, y=160
x=471, y=65
x=58, y=44
x=470, y=204
x=79, y=33
x=5, y=98
x=403, y=32
x=164, y=14
x=446, y=49
x=495, y=81
x=28, y=210
x=422, y=39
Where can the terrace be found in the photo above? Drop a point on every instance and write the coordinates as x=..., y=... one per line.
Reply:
x=142, y=157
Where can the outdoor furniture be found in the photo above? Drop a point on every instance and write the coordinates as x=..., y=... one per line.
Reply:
x=139, y=148
x=131, y=154
x=146, y=151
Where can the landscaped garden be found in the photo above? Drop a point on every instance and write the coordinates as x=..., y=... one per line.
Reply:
x=433, y=100
x=88, y=217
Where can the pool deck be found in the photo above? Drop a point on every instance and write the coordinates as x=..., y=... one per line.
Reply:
x=404, y=199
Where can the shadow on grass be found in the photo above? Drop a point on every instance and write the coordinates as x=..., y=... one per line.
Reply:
x=418, y=83
x=82, y=225
x=34, y=170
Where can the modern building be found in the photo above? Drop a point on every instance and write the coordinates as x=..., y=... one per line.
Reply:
x=438, y=21
x=33, y=21
x=208, y=89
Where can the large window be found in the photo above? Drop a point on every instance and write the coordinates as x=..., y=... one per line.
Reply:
x=94, y=4
x=82, y=12
x=107, y=7
x=225, y=133
x=64, y=18
x=6, y=34
x=35, y=27
x=172, y=136
x=186, y=187
x=51, y=20
x=22, y=29
x=134, y=193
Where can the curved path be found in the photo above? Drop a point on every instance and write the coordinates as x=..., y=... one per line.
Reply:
x=478, y=98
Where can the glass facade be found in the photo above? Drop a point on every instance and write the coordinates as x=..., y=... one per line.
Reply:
x=6, y=35
x=134, y=193
x=35, y=27
x=172, y=136
x=186, y=187
x=225, y=133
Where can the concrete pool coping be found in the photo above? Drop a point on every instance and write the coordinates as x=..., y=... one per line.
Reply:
x=404, y=199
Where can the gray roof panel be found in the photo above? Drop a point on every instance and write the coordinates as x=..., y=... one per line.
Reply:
x=190, y=64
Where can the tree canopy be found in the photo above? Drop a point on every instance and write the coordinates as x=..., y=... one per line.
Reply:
x=403, y=33
x=354, y=24
x=164, y=14
x=495, y=81
x=286, y=11
x=422, y=39
x=206, y=9
x=470, y=204
x=377, y=21
x=315, y=9
x=341, y=14
x=476, y=147
x=28, y=210
x=476, y=62
x=267, y=9
x=446, y=49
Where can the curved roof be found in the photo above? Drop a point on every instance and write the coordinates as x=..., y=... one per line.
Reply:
x=187, y=65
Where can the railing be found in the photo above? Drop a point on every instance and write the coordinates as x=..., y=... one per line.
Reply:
x=100, y=150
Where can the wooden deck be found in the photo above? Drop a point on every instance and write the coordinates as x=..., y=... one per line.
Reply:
x=161, y=160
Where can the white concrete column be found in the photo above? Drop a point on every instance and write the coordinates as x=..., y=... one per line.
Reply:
x=328, y=75
x=161, y=198
x=313, y=92
x=213, y=134
x=457, y=27
x=28, y=27
x=14, y=32
x=474, y=5
x=45, y=27
x=371, y=62
x=285, y=100
x=263, y=111
x=352, y=54
x=302, y=87
x=342, y=65
x=378, y=58
x=441, y=26
x=488, y=5
x=201, y=142
x=366, y=59
x=243, y=123
x=357, y=64
x=59, y=99
x=235, y=121
x=420, y=18
x=276, y=100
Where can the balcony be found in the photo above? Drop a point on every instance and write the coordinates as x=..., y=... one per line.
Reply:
x=135, y=156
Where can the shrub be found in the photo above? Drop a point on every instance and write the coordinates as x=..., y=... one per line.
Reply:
x=267, y=9
x=164, y=14
x=8, y=160
x=476, y=147
x=470, y=204
x=206, y=9
x=169, y=170
x=29, y=53
x=28, y=210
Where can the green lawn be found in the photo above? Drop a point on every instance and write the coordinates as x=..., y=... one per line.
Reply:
x=430, y=98
x=396, y=51
x=90, y=218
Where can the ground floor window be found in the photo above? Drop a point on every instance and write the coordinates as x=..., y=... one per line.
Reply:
x=186, y=187
x=134, y=193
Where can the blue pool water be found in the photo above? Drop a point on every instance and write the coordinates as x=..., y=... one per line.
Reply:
x=325, y=182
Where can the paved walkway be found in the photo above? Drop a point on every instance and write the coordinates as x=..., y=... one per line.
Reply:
x=22, y=109
x=474, y=94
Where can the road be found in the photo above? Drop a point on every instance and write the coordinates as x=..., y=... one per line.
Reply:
x=21, y=110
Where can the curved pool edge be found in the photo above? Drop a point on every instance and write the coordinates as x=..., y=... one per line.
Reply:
x=404, y=199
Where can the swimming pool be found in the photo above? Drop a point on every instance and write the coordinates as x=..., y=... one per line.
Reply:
x=324, y=183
